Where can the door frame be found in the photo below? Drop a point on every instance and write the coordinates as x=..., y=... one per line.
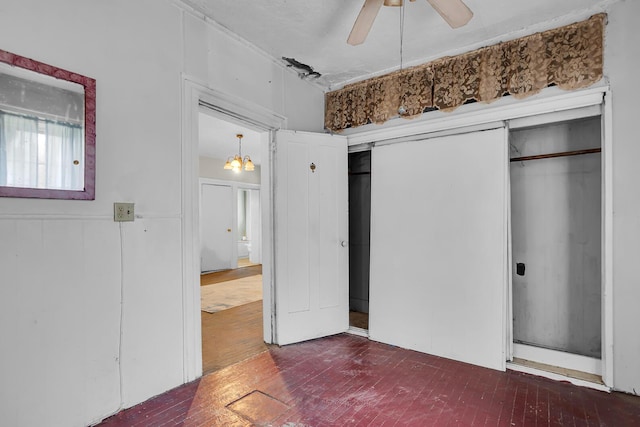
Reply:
x=531, y=352
x=476, y=116
x=231, y=108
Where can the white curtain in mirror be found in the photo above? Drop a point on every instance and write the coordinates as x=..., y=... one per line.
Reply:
x=39, y=153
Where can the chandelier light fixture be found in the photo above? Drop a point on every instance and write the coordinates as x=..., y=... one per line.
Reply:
x=237, y=162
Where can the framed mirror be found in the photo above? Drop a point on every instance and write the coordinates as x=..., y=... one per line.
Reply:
x=47, y=131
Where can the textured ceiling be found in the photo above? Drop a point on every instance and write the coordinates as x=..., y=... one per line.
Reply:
x=315, y=32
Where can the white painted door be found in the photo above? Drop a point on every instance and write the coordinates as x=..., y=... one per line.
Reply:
x=216, y=226
x=311, y=230
x=439, y=246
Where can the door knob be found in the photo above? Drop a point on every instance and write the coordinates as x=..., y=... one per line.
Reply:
x=343, y=243
x=228, y=230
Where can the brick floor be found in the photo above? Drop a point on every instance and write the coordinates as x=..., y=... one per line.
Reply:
x=350, y=381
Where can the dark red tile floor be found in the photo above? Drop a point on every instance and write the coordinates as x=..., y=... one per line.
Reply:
x=348, y=380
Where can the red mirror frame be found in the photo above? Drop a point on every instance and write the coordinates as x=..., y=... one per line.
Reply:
x=89, y=85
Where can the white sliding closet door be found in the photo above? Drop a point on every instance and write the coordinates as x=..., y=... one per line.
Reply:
x=439, y=246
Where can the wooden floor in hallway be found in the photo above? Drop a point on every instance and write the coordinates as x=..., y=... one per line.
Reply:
x=232, y=335
x=233, y=274
x=348, y=380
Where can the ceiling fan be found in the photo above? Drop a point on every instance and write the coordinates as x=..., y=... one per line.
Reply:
x=455, y=12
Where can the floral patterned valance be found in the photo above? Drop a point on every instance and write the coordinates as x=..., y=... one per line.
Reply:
x=570, y=57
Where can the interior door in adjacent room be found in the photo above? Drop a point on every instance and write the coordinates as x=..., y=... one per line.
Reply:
x=216, y=226
x=311, y=232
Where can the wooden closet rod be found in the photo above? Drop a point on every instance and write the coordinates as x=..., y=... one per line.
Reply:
x=551, y=155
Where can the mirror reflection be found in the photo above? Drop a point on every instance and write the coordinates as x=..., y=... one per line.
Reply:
x=43, y=136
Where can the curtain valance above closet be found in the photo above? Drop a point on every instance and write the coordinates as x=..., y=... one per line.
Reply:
x=570, y=57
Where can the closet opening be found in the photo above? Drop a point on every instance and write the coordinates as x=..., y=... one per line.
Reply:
x=359, y=239
x=556, y=237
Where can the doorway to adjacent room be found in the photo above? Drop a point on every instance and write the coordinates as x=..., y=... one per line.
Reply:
x=230, y=245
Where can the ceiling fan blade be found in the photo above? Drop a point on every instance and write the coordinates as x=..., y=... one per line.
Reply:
x=364, y=21
x=455, y=12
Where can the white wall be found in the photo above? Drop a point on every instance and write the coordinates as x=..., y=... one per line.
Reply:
x=62, y=263
x=247, y=75
x=621, y=65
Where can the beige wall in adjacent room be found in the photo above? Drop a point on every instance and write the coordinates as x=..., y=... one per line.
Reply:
x=214, y=169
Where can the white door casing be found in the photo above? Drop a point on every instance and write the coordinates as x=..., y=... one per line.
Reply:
x=556, y=235
x=195, y=95
x=311, y=231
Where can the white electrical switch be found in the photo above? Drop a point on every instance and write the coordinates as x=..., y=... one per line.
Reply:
x=123, y=212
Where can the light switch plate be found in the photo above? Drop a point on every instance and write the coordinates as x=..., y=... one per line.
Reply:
x=123, y=211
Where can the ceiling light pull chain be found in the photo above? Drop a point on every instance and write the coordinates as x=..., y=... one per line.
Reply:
x=401, y=109
x=401, y=32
